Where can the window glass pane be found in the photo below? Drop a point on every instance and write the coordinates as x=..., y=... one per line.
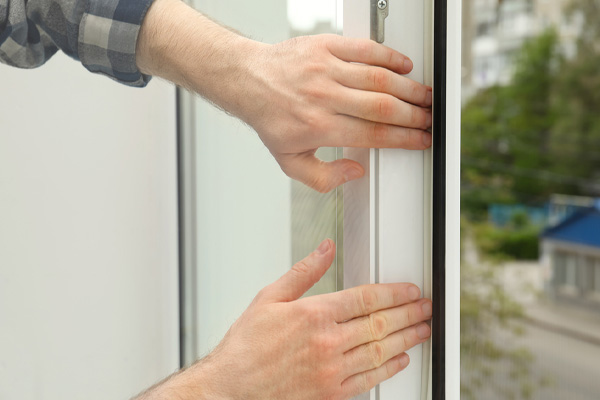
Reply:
x=530, y=186
x=252, y=222
x=572, y=270
x=560, y=266
x=587, y=278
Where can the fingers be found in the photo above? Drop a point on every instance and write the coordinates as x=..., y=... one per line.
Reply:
x=365, y=381
x=368, y=52
x=373, y=79
x=301, y=277
x=367, y=299
x=381, y=107
x=374, y=354
x=319, y=175
x=355, y=132
x=381, y=324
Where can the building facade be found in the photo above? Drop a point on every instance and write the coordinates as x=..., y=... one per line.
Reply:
x=570, y=256
x=495, y=30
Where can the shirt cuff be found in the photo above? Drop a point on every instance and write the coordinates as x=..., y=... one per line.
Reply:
x=108, y=36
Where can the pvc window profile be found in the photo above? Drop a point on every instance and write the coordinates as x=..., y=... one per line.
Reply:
x=401, y=222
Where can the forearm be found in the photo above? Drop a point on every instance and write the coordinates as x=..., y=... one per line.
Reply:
x=183, y=46
x=298, y=95
x=189, y=384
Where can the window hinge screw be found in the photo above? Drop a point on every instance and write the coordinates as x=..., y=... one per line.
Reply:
x=382, y=4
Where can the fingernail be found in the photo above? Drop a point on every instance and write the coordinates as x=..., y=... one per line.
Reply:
x=414, y=293
x=429, y=118
x=426, y=139
x=427, y=311
x=323, y=247
x=352, y=173
x=423, y=331
x=429, y=97
x=404, y=360
x=408, y=65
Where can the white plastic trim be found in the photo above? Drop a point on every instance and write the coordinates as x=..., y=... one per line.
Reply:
x=387, y=214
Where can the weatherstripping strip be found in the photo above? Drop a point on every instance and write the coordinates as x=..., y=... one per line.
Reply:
x=439, y=200
x=180, y=226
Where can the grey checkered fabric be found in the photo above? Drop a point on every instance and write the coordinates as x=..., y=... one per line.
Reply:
x=102, y=34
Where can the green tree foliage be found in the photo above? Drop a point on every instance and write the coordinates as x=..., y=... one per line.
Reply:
x=518, y=240
x=507, y=133
x=577, y=129
x=540, y=134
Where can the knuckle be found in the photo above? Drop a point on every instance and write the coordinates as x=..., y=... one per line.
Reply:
x=392, y=56
x=418, y=118
x=316, y=91
x=367, y=300
x=315, y=67
x=259, y=296
x=321, y=184
x=414, y=117
x=263, y=293
x=318, y=314
x=377, y=350
x=330, y=373
x=384, y=108
x=417, y=93
x=389, y=370
x=364, y=383
x=301, y=268
x=379, y=79
x=378, y=133
x=311, y=119
x=405, y=341
x=370, y=381
x=404, y=137
x=313, y=126
x=411, y=315
x=324, y=345
x=378, y=326
x=325, y=38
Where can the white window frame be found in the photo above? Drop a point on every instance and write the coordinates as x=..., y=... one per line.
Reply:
x=400, y=224
x=402, y=220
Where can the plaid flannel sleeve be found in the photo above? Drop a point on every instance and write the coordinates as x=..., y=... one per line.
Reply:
x=102, y=34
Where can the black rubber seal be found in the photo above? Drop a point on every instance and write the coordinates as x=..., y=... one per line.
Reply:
x=180, y=225
x=438, y=323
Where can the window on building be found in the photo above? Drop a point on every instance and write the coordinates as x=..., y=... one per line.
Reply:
x=560, y=268
x=597, y=276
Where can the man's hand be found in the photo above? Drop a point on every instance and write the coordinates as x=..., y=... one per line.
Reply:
x=332, y=346
x=311, y=94
x=299, y=95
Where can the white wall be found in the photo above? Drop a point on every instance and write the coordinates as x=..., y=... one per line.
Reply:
x=88, y=234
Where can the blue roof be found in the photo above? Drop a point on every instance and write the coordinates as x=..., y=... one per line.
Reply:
x=582, y=227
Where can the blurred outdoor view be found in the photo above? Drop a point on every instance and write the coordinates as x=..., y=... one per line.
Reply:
x=530, y=302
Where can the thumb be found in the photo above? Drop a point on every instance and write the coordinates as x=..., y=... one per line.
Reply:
x=302, y=276
x=317, y=174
